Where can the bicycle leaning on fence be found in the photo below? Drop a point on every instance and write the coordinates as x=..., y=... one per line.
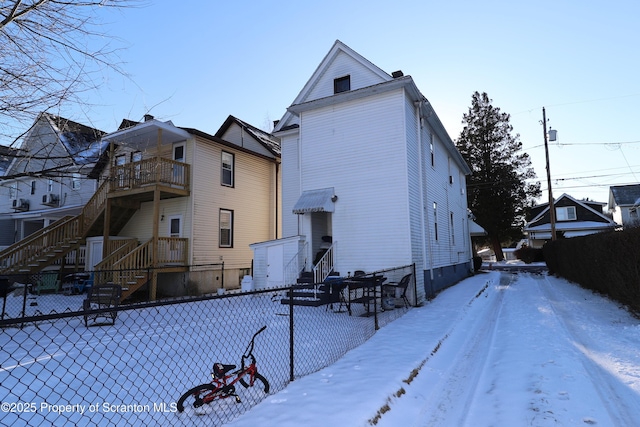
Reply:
x=224, y=381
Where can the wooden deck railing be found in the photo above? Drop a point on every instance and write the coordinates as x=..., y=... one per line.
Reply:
x=117, y=249
x=150, y=171
x=172, y=250
x=136, y=261
x=54, y=241
x=94, y=206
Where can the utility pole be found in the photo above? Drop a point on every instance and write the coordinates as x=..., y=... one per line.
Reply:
x=552, y=209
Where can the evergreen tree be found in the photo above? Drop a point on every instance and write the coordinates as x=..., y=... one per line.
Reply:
x=497, y=190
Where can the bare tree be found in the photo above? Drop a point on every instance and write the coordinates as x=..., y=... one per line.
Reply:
x=50, y=54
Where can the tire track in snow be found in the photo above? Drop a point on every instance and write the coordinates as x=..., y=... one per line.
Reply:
x=459, y=363
x=620, y=406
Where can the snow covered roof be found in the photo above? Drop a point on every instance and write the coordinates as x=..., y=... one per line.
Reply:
x=573, y=225
x=81, y=142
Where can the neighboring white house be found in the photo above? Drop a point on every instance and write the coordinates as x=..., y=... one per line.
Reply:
x=573, y=218
x=46, y=177
x=369, y=170
x=624, y=204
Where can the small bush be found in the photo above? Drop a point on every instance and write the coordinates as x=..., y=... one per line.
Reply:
x=477, y=263
x=529, y=255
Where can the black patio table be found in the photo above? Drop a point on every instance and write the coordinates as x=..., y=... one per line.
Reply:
x=371, y=287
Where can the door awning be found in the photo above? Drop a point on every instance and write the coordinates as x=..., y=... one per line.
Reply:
x=321, y=200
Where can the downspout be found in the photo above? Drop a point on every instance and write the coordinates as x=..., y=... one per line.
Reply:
x=276, y=197
x=422, y=177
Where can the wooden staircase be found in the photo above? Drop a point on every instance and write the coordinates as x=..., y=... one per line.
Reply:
x=42, y=248
x=49, y=244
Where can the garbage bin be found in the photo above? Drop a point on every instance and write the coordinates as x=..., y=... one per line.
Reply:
x=247, y=284
x=388, y=298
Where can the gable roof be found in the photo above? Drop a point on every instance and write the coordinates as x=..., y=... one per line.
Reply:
x=56, y=145
x=80, y=141
x=597, y=219
x=382, y=82
x=337, y=49
x=6, y=157
x=267, y=140
x=624, y=195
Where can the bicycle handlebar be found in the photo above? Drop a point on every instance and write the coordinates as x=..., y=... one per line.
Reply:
x=249, y=350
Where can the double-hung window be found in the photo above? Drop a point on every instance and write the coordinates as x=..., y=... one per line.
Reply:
x=566, y=213
x=226, y=228
x=13, y=191
x=76, y=181
x=227, y=177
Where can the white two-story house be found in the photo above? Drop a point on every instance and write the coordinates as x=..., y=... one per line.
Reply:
x=369, y=169
x=46, y=177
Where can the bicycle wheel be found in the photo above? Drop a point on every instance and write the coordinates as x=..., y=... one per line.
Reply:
x=260, y=382
x=193, y=397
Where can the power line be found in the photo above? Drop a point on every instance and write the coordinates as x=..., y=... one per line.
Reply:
x=561, y=144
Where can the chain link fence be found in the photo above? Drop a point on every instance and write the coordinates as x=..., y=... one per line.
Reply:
x=54, y=370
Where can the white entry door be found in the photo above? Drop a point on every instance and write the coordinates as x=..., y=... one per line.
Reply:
x=275, y=266
x=95, y=251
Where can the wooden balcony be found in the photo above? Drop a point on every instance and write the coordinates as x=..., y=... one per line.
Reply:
x=142, y=178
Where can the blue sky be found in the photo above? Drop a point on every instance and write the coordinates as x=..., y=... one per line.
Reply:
x=196, y=62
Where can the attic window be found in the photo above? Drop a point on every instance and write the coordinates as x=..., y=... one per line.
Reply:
x=342, y=84
x=566, y=213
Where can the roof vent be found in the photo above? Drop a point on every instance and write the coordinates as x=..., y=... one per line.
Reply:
x=148, y=117
x=397, y=74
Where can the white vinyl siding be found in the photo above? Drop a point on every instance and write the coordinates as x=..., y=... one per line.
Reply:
x=290, y=191
x=343, y=65
x=372, y=207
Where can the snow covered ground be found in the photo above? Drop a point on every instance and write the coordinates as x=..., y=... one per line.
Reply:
x=495, y=350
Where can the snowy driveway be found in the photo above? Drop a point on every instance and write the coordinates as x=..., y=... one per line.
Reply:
x=496, y=349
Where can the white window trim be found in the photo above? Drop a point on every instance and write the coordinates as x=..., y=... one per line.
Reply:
x=180, y=223
x=563, y=213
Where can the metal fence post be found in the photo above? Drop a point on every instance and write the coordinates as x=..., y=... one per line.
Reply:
x=291, y=341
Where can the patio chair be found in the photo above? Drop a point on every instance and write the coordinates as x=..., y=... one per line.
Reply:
x=402, y=284
x=48, y=282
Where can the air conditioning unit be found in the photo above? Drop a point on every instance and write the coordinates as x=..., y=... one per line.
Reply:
x=21, y=205
x=50, y=199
